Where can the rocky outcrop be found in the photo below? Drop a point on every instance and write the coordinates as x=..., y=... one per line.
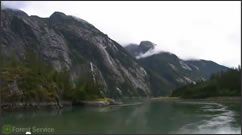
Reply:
x=145, y=46
x=140, y=49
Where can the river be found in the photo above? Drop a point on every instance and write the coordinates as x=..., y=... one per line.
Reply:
x=151, y=116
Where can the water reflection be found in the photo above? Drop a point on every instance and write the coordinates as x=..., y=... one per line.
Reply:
x=149, y=117
x=218, y=123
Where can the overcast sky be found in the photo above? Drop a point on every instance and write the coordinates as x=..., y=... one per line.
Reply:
x=198, y=30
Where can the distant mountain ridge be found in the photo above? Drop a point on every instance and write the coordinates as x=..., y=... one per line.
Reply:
x=170, y=70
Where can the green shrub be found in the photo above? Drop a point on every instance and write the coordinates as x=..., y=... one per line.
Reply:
x=39, y=82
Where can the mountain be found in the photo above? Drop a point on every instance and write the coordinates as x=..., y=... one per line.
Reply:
x=169, y=71
x=65, y=57
x=206, y=67
x=72, y=44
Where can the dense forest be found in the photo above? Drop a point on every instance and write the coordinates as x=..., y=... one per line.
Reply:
x=33, y=80
x=227, y=83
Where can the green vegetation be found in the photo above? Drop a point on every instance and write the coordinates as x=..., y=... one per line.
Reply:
x=34, y=80
x=220, y=84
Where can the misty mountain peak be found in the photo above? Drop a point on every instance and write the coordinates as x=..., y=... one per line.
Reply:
x=142, y=48
x=146, y=45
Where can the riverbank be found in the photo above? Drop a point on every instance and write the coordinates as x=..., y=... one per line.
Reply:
x=34, y=105
x=108, y=102
x=209, y=99
x=57, y=105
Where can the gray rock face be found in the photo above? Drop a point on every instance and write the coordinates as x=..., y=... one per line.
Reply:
x=67, y=42
x=20, y=31
x=205, y=67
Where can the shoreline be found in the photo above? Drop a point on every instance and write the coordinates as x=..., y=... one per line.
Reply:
x=5, y=107
x=34, y=105
x=209, y=99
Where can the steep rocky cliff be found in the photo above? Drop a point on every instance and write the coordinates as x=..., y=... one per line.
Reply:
x=70, y=43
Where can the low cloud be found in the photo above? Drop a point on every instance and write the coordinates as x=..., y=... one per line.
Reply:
x=14, y=4
x=201, y=30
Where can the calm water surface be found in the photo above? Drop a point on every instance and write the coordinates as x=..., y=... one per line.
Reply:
x=148, y=117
